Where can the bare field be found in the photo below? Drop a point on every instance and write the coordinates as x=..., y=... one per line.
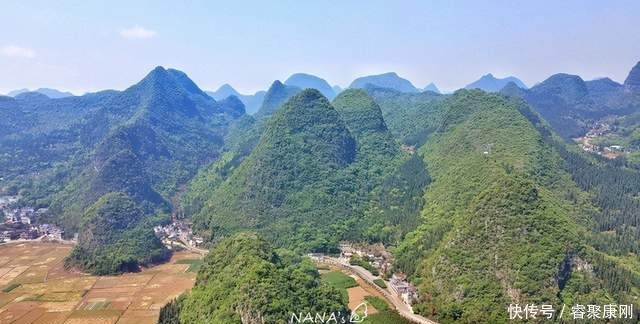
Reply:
x=35, y=288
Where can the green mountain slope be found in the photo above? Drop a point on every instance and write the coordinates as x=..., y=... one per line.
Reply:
x=244, y=281
x=144, y=143
x=503, y=222
x=174, y=128
x=114, y=238
x=304, y=144
x=308, y=181
x=411, y=117
x=242, y=137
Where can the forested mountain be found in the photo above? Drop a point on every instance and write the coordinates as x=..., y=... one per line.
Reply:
x=503, y=221
x=277, y=94
x=309, y=175
x=114, y=238
x=244, y=280
x=386, y=80
x=480, y=201
x=172, y=129
x=143, y=142
x=490, y=83
x=308, y=81
x=632, y=82
x=50, y=93
x=251, y=102
x=411, y=117
x=570, y=104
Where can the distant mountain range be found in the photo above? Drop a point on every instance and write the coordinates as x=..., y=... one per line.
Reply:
x=490, y=83
x=388, y=80
x=431, y=87
x=251, y=102
x=51, y=93
x=570, y=104
x=305, y=81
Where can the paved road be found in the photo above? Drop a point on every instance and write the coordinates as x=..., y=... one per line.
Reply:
x=403, y=309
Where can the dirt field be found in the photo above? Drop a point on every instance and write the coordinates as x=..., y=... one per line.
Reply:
x=35, y=288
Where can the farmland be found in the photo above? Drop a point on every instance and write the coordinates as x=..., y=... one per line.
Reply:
x=35, y=288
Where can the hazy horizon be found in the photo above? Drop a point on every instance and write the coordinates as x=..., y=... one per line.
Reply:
x=84, y=47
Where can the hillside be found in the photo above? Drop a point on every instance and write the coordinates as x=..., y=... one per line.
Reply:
x=312, y=173
x=114, y=238
x=502, y=222
x=243, y=280
x=277, y=94
x=571, y=105
x=411, y=117
x=173, y=129
x=143, y=142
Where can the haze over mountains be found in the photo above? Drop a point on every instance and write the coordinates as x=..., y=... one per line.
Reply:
x=490, y=83
x=251, y=102
x=51, y=93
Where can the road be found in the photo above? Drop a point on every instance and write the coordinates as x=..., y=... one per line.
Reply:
x=41, y=239
x=403, y=309
x=193, y=248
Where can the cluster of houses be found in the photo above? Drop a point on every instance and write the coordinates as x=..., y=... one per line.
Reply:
x=376, y=255
x=599, y=129
x=399, y=285
x=30, y=232
x=382, y=260
x=18, y=222
x=177, y=233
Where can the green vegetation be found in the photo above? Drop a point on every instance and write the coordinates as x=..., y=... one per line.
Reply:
x=378, y=303
x=313, y=171
x=242, y=280
x=380, y=283
x=10, y=287
x=338, y=280
x=194, y=264
x=144, y=142
x=387, y=317
x=411, y=117
x=502, y=221
x=115, y=238
x=385, y=314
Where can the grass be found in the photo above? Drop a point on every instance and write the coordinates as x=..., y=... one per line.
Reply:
x=388, y=317
x=377, y=303
x=338, y=280
x=194, y=264
x=385, y=314
x=10, y=287
x=380, y=283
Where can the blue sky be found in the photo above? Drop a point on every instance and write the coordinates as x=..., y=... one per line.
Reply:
x=90, y=45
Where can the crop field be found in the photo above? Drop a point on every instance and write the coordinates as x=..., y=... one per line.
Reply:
x=35, y=288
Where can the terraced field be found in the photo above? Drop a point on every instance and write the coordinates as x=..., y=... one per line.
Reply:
x=35, y=288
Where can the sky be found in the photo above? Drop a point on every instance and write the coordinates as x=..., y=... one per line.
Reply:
x=84, y=46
